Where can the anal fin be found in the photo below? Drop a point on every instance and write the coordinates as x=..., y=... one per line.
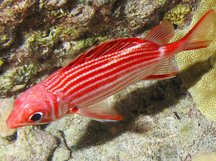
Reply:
x=100, y=111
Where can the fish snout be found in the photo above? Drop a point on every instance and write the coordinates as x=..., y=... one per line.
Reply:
x=12, y=121
x=11, y=124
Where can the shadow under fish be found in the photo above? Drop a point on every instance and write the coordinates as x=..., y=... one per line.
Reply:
x=143, y=101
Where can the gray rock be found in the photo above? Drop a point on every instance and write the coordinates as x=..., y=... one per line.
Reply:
x=31, y=144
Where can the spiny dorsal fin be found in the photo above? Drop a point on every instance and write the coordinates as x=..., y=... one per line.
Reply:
x=106, y=48
x=161, y=34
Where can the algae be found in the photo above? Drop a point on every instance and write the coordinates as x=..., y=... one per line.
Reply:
x=178, y=14
x=1, y=62
x=17, y=76
x=161, y=2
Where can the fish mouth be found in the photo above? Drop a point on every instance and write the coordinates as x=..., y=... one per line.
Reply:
x=12, y=122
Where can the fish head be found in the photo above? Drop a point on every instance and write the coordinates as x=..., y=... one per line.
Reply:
x=32, y=107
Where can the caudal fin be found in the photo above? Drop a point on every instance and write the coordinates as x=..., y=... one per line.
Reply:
x=200, y=36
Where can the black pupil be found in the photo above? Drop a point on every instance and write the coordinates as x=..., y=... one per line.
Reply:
x=36, y=117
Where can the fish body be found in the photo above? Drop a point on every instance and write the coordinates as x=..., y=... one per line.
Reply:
x=83, y=85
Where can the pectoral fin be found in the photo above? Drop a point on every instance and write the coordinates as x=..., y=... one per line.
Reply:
x=165, y=70
x=101, y=111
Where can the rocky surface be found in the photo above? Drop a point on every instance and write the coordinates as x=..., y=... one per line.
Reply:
x=161, y=122
x=31, y=144
x=6, y=105
x=159, y=125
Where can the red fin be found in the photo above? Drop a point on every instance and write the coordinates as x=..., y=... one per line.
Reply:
x=161, y=34
x=102, y=110
x=199, y=35
x=106, y=48
x=165, y=70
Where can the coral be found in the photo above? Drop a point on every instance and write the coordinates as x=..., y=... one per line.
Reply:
x=204, y=91
x=177, y=14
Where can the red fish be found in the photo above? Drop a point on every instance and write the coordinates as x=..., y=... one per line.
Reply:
x=83, y=85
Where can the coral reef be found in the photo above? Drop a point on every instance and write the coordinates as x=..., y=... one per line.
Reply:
x=177, y=15
x=204, y=91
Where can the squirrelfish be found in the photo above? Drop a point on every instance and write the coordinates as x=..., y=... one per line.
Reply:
x=83, y=85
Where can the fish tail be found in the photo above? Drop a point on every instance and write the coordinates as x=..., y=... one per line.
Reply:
x=200, y=36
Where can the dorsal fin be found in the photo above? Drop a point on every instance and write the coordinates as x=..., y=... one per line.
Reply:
x=161, y=34
x=104, y=49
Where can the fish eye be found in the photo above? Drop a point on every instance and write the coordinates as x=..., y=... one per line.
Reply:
x=36, y=116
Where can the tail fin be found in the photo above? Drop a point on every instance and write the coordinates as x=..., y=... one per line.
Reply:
x=199, y=35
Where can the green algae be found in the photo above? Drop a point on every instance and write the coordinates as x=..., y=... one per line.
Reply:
x=3, y=38
x=17, y=76
x=6, y=38
x=1, y=62
x=88, y=42
x=177, y=14
x=161, y=2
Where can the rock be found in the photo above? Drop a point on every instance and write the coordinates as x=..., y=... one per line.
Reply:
x=205, y=157
x=35, y=145
x=161, y=123
x=61, y=153
x=6, y=106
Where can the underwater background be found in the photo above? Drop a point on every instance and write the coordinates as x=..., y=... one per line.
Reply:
x=165, y=120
